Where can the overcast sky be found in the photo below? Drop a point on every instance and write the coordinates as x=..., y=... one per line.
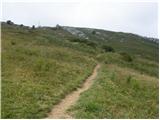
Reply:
x=135, y=17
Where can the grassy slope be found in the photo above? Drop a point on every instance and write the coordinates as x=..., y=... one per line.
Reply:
x=125, y=89
x=142, y=65
x=40, y=66
x=119, y=93
x=37, y=73
x=126, y=42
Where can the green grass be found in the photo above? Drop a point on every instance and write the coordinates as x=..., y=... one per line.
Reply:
x=119, y=93
x=125, y=42
x=144, y=66
x=36, y=75
x=40, y=66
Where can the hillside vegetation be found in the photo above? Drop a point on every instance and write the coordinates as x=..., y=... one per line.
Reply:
x=41, y=65
x=119, y=93
x=36, y=73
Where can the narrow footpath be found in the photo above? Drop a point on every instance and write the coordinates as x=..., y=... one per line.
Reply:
x=59, y=110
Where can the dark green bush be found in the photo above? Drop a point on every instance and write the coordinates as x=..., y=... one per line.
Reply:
x=75, y=40
x=21, y=25
x=9, y=22
x=108, y=48
x=13, y=43
x=90, y=43
x=126, y=57
x=87, y=42
x=93, y=32
x=33, y=27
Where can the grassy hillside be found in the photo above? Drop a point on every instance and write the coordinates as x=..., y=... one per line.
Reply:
x=119, y=93
x=36, y=73
x=133, y=44
x=40, y=66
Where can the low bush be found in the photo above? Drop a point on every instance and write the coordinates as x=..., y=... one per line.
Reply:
x=108, y=48
x=9, y=22
x=87, y=42
x=93, y=32
x=33, y=27
x=126, y=57
x=13, y=43
x=129, y=79
x=21, y=25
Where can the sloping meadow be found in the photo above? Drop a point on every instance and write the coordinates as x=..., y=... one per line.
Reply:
x=41, y=65
x=36, y=75
x=119, y=93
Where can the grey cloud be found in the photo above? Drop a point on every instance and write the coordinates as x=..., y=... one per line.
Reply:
x=135, y=17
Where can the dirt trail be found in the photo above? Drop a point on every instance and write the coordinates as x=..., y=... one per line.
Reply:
x=59, y=110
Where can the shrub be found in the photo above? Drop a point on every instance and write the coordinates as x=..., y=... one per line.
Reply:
x=13, y=43
x=108, y=48
x=58, y=26
x=9, y=22
x=93, y=32
x=21, y=25
x=87, y=42
x=129, y=79
x=90, y=43
x=126, y=57
x=75, y=40
x=33, y=27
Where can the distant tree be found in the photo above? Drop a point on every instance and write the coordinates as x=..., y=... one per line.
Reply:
x=9, y=22
x=33, y=27
x=108, y=48
x=93, y=32
x=21, y=25
x=58, y=26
